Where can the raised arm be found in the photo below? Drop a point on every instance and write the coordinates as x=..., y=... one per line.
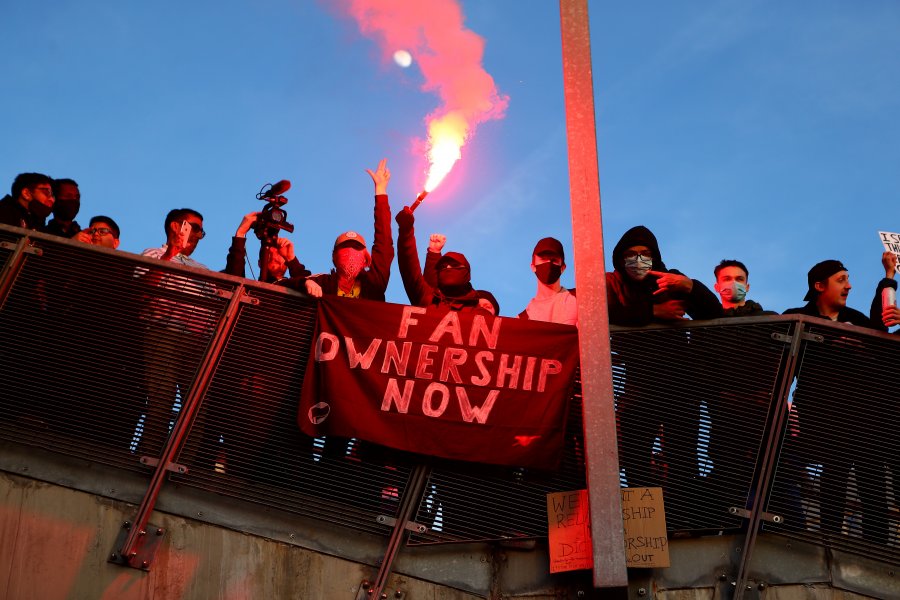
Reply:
x=383, y=244
x=417, y=290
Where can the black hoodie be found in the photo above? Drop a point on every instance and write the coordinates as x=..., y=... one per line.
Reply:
x=631, y=302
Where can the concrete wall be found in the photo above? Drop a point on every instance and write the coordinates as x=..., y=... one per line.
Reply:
x=54, y=544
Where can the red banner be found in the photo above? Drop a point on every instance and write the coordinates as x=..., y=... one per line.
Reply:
x=453, y=385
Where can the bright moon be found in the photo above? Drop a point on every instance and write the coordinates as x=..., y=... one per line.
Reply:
x=402, y=58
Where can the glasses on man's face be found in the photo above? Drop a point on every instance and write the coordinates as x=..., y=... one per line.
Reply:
x=447, y=266
x=99, y=231
x=638, y=255
x=196, y=230
x=45, y=190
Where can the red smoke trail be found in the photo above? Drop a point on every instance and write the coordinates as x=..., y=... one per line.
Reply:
x=449, y=57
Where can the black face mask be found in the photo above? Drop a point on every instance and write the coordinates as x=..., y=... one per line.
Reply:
x=65, y=210
x=548, y=273
x=453, y=282
x=39, y=209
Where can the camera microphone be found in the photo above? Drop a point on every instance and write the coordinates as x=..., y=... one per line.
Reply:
x=277, y=189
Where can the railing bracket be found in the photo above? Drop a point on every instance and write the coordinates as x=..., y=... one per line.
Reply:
x=144, y=550
x=411, y=525
x=152, y=461
x=765, y=516
x=366, y=591
x=27, y=249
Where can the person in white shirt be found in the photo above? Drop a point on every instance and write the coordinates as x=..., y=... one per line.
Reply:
x=552, y=302
x=181, y=313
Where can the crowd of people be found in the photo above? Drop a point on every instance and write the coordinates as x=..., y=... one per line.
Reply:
x=640, y=288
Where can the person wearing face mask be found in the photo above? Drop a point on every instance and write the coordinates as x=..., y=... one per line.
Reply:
x=30, y=202
x=737, y=412
x=552, y=302
x=65, y=209
x=452, y=274
x=651, y=411
x=356, y=273
x=732, y=286
x=486, y=300
x=641, y=290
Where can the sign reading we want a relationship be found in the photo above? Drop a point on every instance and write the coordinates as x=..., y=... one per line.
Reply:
x=455, y=385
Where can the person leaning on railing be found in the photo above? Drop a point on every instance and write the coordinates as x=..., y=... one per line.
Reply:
x=641, y=290
x=177, y=328
x=29, y=203
x=67, y=203
x=732, y=285
x=102, y=231
x=820, y=406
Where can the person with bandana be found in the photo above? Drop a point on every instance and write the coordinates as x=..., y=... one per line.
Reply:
x=65, y=209
x=552, y=302
x=452, y=273
x=356, y=273
x=30, y=203
x=653, y=412
x=732, y=286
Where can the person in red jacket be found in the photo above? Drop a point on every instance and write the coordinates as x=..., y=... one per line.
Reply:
x=356, y=273
x=452, y=273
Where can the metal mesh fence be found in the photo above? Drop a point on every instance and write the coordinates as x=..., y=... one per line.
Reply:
x=478, y=502
x=246, y=443
x=76, y=328
x=692, y=407
x=836, y=482
x=100, y=349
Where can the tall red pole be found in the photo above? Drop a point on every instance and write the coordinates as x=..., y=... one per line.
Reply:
x=602, y=461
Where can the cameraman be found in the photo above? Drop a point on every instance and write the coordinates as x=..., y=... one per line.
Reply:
x=279, y=257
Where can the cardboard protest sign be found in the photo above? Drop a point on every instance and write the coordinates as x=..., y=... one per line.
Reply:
x=644, y=519
x=569, y=531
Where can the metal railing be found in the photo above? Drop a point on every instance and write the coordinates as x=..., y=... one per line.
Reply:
x=783, y=425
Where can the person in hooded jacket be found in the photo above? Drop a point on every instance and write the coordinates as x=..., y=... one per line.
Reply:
x=653, y=411
x=454, y=289
x=641, y=290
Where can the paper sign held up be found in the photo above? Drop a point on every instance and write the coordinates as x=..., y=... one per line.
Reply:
x=644, y=520
x=569, y=528
x=891, y=241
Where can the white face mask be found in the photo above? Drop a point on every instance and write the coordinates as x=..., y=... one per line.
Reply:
x=638, y=266
x=734, y=292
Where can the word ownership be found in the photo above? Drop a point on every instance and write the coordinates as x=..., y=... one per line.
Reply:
x=446, y=360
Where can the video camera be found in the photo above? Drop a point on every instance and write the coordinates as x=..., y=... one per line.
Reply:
x=272, y=217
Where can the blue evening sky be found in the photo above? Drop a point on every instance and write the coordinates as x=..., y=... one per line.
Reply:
x=759, y=130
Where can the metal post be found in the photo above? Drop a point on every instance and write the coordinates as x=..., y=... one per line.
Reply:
x=777, y=431
x=129, y=553
x=411, y=498
x=602, y=461
x=14, y=265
